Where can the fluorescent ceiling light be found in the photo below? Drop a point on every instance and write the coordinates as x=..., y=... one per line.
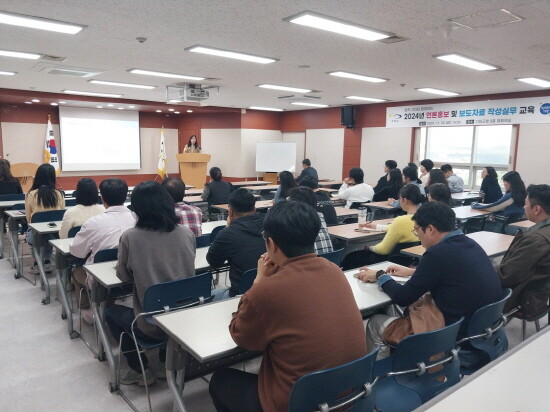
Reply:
x=99, y=107
x=20, y=55
x=81, y=93
x=36, y=100
x=177, y=112
x=334, y=25
x=366, y=99
x=39, y=23
x=161, y=74
x=174, y=101
x=466, y=62
x=535, y=81
x=285, y=88
x=437, y=91
x=134, y=86
x=358, y=77
x=309, y=104
x=54, y=104
x=189, y=111
x=3, y=73
x=110, y=105
x=171, y=110
x=269, y=109
x=230, y=54
x=158, y=111
x=62, y=102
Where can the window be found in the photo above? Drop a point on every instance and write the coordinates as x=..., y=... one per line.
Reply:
x=468, y=149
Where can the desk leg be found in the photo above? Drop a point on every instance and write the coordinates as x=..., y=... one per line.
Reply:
x=175, y=372
x=62, y=276
x=39, y=256
x=104, y=346
x=14, y=236
x=2, y=225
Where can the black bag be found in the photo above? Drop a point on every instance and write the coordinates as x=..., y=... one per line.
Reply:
x=533, y=300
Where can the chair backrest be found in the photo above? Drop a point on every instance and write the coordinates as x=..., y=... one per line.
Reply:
x=24, y=172
x=485, y=318
x=247, y=280
x=335, y=256
x=18, y=196
x=215, y=232
x=70, y=201
x=428, y=348
x=47, y=216
x=203, y=241
x=106, y=255
x=18, y=206
x=178, y=293
x=334, y=386
x=73, y=231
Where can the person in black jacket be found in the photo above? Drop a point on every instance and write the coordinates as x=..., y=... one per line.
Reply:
x=489, y=185
x=383, y=181
x=324, y=204
x=241, y=243
x=391, y=190
x=217, y=191
x=307, y=171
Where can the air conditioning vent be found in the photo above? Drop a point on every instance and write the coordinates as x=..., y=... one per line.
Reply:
x=393, y=39
x=57, y=70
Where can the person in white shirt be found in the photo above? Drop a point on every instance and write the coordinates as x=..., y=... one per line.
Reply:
x=456, y=184
x=101, y=232
x=425, y=166
x=354, y=190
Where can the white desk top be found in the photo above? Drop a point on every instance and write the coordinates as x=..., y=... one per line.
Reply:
x=62, y=245
x=15, y=214
x=43, y=228
x=207, y=227
x=518, y=381
x=466, y=212
x=250, y=183
x=10, y=203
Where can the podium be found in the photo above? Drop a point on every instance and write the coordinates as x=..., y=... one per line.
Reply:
x=193, y=168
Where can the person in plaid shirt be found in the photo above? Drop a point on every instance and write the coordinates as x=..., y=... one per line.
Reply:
x=189, y=215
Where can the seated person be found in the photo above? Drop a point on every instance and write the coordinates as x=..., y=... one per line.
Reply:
x=86, y=207
x=324, y=204
x=289, y=314
x=307, y=170
x=391, y=190
x=287, y=182
x=354, y=190
x=383, y=181
x=439, y=192
x=490, y=188
x=156, y=250
x=217, y=191
x=528, y=257
x=512, y=202
x=399, y=231
x=189, y=215
x=9, y=185
x=410, y=176
x=100, y=232
x=305, y=195
x=426, y=166
x=454, y=268
x=436, y=176
x=456, y=184
x=240, y=243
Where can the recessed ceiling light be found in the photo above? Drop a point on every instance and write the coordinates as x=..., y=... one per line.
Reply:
x=54, y=104
x=269, y=109
x=355, y=76
x=131, y=107
x=319, y=21
x=173, y=101
x=20, y=55
x=36, y=100
x=28, y=102
x=466, y=62
x=62, y=102
x=366, y=99
x=231, y=54
x=171, y=110
x=110, y=105
x=285, y=88
x=39, y=23
x=99, y=107
x=3, y=73
x=437, y=91
x=81, y=93
x=189, y=111
x=158, y=111
x=120, y=108
x=161, y=74
x=535, y=81
x=309, y=104
x=177, y=112
x=135, y=86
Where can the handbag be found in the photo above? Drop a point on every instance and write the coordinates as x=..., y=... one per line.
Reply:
x=421, y=316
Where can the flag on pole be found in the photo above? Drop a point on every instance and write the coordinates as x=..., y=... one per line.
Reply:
x=161, y=167
x=50, y=150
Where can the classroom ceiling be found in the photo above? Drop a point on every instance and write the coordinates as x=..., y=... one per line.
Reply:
x=305, y=55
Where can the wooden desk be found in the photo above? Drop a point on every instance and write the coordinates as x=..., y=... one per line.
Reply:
x=260, y=188
x=523, y=223
x=462, y=196
x=192, y=192
x=260, y=204
x=348, y=233
x=342, y=211
x=517, y=381
x=494, y=244
x=380, y=205
x=250, y=183
x=330, y=183
x=466, y=212
x=193, y=199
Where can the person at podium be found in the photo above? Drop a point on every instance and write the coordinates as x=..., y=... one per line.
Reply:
x=192, y=146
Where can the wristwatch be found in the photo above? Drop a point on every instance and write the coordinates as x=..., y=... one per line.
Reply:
x=380, y=273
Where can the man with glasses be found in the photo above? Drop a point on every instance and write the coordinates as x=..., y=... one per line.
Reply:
x=454, y=268
x=300, y=312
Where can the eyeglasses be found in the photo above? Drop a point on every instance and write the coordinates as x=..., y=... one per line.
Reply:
x=265, y=235
x=415, y=230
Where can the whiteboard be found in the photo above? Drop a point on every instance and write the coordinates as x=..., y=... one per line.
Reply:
x=275, y=156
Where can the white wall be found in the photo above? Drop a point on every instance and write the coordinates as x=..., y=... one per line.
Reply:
x=379, y=144
x=249, y=137
x=225, y=147
x=325, y=149
x=533, y=157
x=24, y=142
x=300, y=139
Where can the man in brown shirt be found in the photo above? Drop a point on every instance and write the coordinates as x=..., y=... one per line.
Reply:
x=300, y=312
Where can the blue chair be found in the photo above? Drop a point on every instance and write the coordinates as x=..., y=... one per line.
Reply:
x=106, y=255
x=203, y=241
x=73, y=231
x=247, y=281
x=215, y=232
x=166, y=297
x=48, y=216
x=407, y=381
x=486, y=339
x=70, y=201
x=15, y=196
x=349, y=385
x=335, y=256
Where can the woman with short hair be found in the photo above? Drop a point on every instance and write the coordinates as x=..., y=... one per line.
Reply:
x=86, y=206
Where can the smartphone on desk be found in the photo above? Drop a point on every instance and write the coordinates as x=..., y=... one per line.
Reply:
x=367, y=229
x=52, y=224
